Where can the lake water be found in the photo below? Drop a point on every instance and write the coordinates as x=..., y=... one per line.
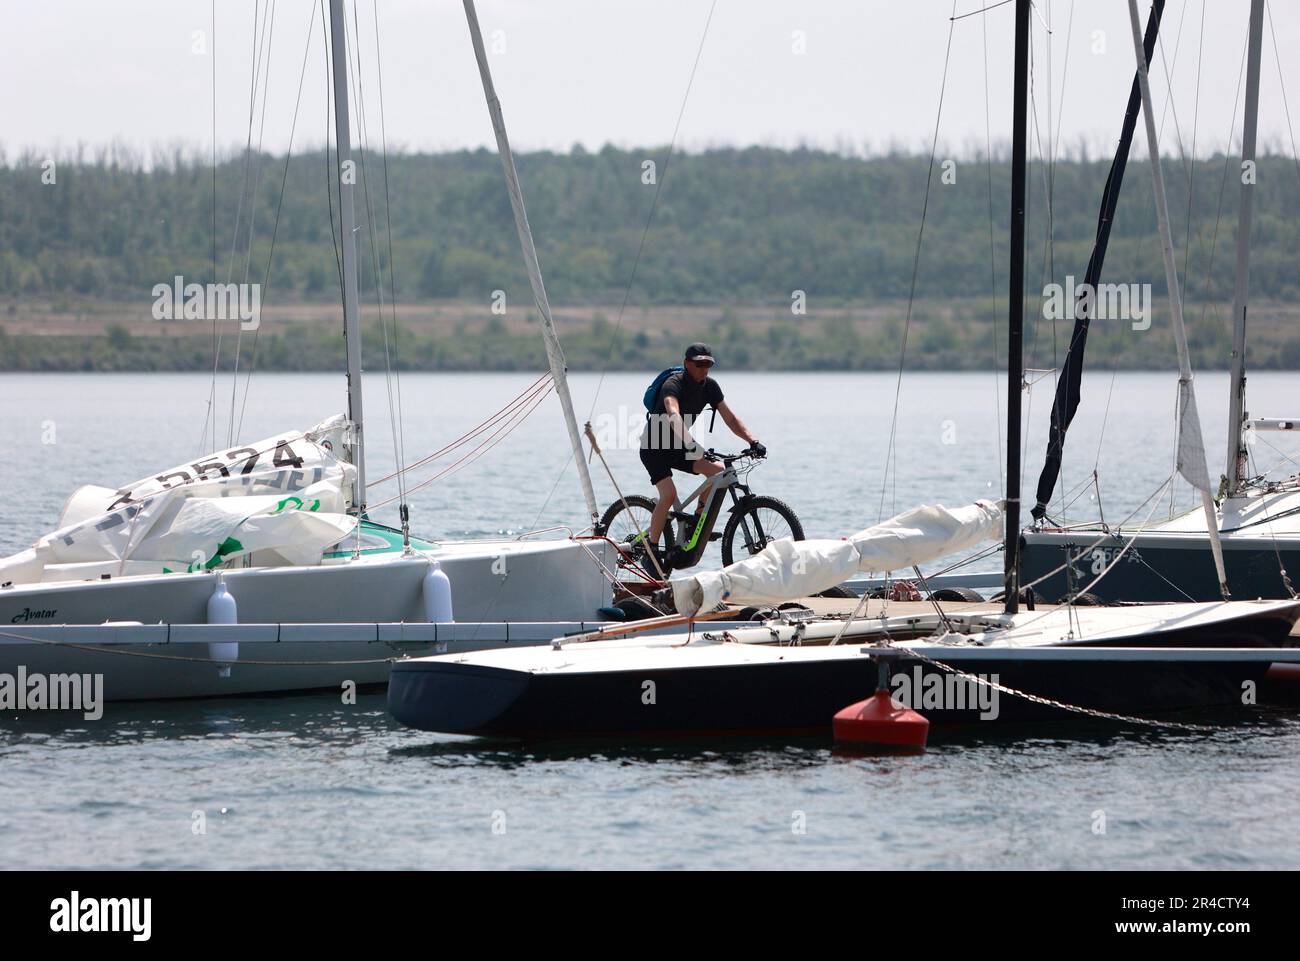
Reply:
x=302, y=782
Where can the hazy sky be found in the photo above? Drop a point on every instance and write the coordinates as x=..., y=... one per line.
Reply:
x=860, y=74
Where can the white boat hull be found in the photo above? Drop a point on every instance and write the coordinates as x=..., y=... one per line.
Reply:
x=318, y=624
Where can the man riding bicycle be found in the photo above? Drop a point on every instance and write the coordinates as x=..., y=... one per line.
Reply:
x=666, y=442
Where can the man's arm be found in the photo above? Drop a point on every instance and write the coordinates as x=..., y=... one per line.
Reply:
x=674, y=413
x=732, y=421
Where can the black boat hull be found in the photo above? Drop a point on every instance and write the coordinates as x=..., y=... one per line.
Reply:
x=786, y=696
x=746, y=691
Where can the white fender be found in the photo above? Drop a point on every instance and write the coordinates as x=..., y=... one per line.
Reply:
x=222, y=609
x=436, y=589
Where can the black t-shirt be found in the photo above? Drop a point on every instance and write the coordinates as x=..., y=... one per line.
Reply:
x=692, y=397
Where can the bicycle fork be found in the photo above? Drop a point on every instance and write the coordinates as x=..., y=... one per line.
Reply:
x=754, y=539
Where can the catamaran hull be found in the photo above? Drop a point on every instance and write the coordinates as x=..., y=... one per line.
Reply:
x=161, y=661
x=788, y=698
x=1158, y=567
x=507, y=580
x=301, y=628
x=169, y=671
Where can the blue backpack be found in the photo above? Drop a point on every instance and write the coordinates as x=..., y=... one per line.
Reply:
x=652, y=392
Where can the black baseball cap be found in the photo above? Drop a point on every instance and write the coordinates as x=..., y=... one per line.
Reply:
x=698, y=351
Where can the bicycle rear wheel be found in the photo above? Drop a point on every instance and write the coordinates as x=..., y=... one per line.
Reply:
x=624, y=520
x=757, y=522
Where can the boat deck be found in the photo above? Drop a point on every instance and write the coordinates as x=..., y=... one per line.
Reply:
x=874, y=608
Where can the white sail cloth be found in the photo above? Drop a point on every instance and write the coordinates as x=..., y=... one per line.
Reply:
x=786, y=569
x=1191, y=448
x=283, y=498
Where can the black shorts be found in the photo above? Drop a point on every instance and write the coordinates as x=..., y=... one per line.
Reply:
x=662, y=463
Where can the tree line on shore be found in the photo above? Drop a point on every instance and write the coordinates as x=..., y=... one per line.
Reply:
x=739, y=231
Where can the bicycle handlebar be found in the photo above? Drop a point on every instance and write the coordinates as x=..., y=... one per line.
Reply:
x=728, y=459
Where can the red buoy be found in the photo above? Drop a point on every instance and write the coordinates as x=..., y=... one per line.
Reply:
x=878, y=720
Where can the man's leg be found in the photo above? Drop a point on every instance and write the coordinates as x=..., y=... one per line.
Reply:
x=667, y=497
x=708, y=468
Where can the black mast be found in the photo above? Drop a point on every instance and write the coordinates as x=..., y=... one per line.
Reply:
x=1016, y=313
x=1067, y=388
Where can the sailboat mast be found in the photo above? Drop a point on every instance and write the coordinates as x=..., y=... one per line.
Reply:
x=346, y=173
x=1235, y=470
x=1191, y=448
x=554, y=354
x=1016, y=308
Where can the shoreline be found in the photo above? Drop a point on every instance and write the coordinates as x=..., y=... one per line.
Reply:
x=39, y=335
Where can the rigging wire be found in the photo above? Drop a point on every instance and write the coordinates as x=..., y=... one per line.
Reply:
x=1282, y=84
x=654, y=204
x=1048, y=166
x=916, y=264
x=1187, y=236
x=258, y=49
x=392, y=264
x=1141, y=243
x=493, y=439
x=252, y=216
x=1276, y=450
x=1047, y=272
x=1114, y=370
x=353, y=51
x=239, y=208
x=1208, y=300
x=1272, y=535
x=330, y=174
x=1065, y=73
x=1055, y=155
x=520, y=400
x=993, y=268
x=1027, y=415
x=1191, y=163
x=993, y=6
x=212, y=52
x=1153, y=499
x=1169, y=65
x=564, y=469
x=275, y=227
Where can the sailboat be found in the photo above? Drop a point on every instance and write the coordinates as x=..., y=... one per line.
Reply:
x=1256, y=519
x=257, y=569
x=793, y=676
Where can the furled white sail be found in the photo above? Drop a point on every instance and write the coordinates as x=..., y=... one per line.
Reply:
x=282, y=500
x=787, y=569
x=1191, y=448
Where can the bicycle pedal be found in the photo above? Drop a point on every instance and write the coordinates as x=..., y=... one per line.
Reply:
x=715, y=536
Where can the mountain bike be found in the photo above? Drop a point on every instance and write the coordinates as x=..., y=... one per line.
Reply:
x=756, y=519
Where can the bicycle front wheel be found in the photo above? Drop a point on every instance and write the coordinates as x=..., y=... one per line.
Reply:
x=757, y=522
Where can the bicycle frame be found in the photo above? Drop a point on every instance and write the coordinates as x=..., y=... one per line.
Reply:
x=694, y=531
